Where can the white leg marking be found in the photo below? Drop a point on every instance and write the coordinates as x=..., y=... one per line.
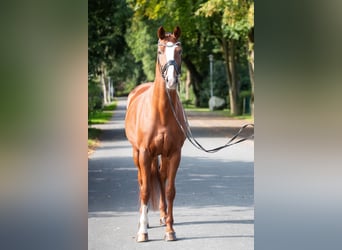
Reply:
x=143, y=220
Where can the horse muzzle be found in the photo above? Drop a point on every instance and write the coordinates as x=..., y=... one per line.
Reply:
x=171, y=83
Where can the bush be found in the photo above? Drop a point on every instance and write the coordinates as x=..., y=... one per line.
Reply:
x=95, y=100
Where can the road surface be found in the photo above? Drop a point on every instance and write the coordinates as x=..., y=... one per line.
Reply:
x=214, y=204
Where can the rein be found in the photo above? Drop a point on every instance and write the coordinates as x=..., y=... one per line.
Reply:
x=188, y=134
x=187, y=131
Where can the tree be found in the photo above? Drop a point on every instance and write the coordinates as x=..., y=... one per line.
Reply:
x=142, y=41
x=230, y=24
x=149, y=15
x=251, y=52
x=107, y=23
x=218, y=27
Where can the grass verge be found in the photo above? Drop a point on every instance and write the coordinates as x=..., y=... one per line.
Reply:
x=93, y=139
x=99, y=117
x=102, y=116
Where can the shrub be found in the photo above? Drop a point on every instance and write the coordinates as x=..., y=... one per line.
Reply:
x=95, y=100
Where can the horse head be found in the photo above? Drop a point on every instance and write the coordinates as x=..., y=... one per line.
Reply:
x=169, y=56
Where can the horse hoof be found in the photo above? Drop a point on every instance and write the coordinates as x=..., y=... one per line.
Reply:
x=142, y=237
x=170, y=236
x=162, y=221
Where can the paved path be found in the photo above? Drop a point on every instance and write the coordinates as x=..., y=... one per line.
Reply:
x=214, y=205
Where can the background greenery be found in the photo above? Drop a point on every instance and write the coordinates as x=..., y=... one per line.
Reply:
x=122, y=44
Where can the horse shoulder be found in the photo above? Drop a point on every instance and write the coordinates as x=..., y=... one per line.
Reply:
x=138, y=91
x=137, y=115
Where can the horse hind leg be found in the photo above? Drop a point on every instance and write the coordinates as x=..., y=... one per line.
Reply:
x=162, y=200
x=154, y=184
x=170, y=234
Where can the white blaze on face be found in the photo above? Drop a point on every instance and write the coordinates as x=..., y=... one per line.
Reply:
x=169, y=52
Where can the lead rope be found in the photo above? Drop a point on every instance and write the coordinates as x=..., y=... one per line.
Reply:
x=188, y=134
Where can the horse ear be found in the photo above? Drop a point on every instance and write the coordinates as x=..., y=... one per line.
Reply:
x=161, y=32
x=177, y=32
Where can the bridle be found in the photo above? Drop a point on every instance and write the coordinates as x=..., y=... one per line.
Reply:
x=163, y=69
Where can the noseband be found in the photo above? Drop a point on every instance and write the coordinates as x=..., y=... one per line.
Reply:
x=163, y=69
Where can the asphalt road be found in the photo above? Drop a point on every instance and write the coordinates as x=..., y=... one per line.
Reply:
x=214, y=205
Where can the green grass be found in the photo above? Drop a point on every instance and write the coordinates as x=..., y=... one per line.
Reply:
x=93, y=133
x=102, y=116
x=98, y=117
x=110, y=107
x=93, y=141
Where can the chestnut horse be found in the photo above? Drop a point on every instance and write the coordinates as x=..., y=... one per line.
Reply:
x=153, y=131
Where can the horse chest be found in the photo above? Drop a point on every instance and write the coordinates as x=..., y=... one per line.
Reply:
x=162, y=142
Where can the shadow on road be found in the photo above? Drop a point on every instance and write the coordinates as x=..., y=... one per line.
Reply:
x=200, y=182
x=198, y=132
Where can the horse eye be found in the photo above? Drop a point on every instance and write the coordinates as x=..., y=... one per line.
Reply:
x=159, y=52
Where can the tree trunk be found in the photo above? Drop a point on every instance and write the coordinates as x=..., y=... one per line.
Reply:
x=235, y=90
x=196, y=80
x=250, y=53
x=228, y=48
x=103, y=84
x=187, y=84
x=108, y=90
x=251, y=77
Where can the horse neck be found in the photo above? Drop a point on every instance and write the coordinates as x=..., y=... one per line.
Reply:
x=160, y=97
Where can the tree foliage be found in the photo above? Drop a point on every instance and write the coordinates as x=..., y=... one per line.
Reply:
x=234, y=14
x=141, y=39
x=230, y=22
x=108, y=52
x=149, y=15
x=122, y=36
x=107, y=23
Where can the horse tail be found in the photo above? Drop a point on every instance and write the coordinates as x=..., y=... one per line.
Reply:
x=155, y=184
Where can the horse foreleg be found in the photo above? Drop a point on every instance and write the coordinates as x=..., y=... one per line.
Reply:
x=143, y=224
x=170, y=234
x=143, y=221
x=144, y=175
